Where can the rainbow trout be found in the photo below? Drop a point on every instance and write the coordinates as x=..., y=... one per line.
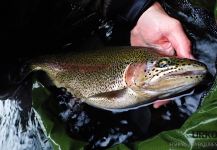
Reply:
x=121, y=77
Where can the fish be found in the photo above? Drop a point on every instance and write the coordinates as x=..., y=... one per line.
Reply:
x=118, y=78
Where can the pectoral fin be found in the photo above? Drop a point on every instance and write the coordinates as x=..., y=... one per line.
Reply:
x=119, y=99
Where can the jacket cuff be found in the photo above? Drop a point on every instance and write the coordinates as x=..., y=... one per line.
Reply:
x=131, y=14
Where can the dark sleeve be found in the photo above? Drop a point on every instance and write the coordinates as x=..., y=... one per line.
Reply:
x=124, y=11
x=127, y=11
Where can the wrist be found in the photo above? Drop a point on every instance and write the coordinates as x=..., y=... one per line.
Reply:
x=155, y=7
x=136, y=10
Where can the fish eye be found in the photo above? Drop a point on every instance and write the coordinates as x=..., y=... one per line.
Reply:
x=165, y=62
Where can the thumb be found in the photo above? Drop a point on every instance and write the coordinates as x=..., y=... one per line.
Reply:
x=160, y=103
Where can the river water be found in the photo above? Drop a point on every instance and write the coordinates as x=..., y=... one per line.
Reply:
x=18, y=135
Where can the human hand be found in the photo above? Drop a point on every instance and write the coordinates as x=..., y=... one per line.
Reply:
x=158, y=30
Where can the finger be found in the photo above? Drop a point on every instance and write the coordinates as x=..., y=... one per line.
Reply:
x=164, y=49
x=180, y=42
x=167, y=48
x=159, y=103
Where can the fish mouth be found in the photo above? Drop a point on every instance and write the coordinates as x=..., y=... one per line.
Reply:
x=176, y=80
x=189, y=73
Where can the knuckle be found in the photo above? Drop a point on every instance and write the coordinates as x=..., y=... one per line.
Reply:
x=176, y=23
x=134, y=31
x=188, y=43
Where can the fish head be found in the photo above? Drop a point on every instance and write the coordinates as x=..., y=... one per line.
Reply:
x=164, y=76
